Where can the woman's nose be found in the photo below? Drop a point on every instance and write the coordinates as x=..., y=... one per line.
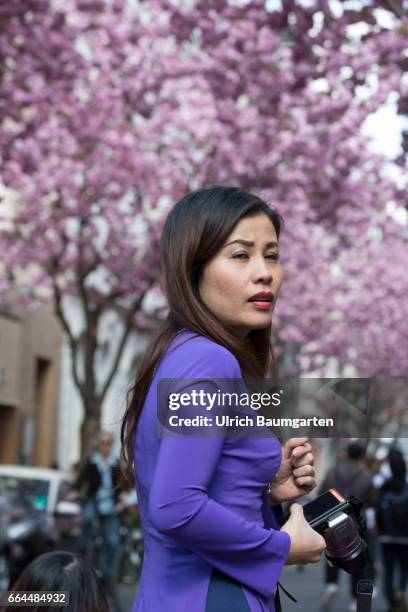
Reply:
x=262, y=271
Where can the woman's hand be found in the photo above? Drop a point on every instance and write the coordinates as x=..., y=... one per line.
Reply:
x=306, y=544
x=296, y=474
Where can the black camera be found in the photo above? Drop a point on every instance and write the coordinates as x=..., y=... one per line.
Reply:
x=340, y=521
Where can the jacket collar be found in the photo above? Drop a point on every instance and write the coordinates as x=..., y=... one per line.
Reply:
x=96, y=459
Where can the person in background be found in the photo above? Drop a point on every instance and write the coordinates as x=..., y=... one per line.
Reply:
x=392, y=525
x=74, y=470
x=379, y=467
x=351, y=476
x=61, y=571
x=380, y=471
x=99, y=484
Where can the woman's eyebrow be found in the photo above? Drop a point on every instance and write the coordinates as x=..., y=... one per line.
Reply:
x=249, y=243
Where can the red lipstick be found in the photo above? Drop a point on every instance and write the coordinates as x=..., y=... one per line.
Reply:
x=262, y=300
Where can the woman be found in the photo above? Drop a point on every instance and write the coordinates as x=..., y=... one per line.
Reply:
x=212, y=536
x=60, y=571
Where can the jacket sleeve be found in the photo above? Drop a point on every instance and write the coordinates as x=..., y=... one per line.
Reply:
x=83, y=476
x=272, y=515
x=180, y=507
x=119, y=484
x=379, y=517
x=368, y=493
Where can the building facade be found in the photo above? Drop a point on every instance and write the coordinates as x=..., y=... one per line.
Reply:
x=30, y=349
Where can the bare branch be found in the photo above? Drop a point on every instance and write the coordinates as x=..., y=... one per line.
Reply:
x=122, y=344
x=91, y=315
x=393, y=6
x=73, y=342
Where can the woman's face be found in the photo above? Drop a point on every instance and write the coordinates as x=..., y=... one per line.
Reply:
x=246, y=266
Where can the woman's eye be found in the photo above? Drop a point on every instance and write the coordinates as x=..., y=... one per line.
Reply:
x=273, y=256
x=240, y=256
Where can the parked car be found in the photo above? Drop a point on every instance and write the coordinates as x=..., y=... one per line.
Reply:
x=34, y=516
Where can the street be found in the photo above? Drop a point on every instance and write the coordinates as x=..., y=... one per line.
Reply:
x=305, y=585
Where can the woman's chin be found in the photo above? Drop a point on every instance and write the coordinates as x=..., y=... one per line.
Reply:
x=242, y=328
x=260, y=323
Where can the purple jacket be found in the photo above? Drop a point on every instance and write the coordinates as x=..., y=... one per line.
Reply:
x=202, y=499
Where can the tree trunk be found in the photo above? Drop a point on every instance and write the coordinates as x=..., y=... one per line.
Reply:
x=89, y=428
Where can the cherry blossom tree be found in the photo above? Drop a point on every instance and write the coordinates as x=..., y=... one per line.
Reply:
x=113, y=110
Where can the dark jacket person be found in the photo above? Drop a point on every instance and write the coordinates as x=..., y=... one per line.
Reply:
x=98, y=483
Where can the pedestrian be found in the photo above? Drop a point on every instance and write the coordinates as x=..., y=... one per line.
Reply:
x=210, y=504
x=380, y=472
x=99, y=483
x=351, y=476
x=60, y=571
x=392, y=524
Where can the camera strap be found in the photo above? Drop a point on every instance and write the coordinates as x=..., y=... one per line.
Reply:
x=278, y=605
x=364, y=594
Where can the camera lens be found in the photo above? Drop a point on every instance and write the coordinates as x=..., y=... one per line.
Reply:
x=345, y=547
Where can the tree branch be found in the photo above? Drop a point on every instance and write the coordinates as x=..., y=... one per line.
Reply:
x=394, y=7
x=73, y=342
x=122, y=344
x=71, y=338
x=91, y=321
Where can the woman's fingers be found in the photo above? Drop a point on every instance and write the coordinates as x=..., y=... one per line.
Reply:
x=302, y=454
x=306, y=481
x=304, y=476
x=304, y=470
x=300, y=449
x=291, y=447
x=302, y=460
x=306, y=458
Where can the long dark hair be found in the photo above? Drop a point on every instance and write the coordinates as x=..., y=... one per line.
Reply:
x=62, y=571
x=195, y=230
x=398, y=470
